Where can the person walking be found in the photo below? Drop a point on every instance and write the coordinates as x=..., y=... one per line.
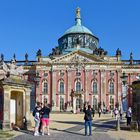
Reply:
x=121, y=113
x=93, y=112
x=45, y=118
x=40, y=124
x=99, y=112
x=129, y=115
x=116, y=113
x=88, y=119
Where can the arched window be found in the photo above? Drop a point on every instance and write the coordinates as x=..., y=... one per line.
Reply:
x=45, y=87
x=78, y=86
x=111, y=87
x=61, y=87
x=94, y=87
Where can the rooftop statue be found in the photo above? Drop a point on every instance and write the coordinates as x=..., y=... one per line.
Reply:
x=10, y=69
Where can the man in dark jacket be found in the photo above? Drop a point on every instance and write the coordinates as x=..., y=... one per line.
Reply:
x=88, y=120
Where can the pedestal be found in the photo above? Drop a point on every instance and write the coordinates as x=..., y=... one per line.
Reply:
x=134, y=126
x=6, y=125
x=28, y=124
x=118, y=124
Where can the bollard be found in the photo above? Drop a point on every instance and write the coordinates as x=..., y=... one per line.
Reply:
x=118, y=124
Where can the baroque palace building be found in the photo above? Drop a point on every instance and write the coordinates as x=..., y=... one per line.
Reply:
x=75, y=73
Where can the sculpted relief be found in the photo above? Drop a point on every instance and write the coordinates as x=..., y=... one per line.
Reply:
x=79, y=58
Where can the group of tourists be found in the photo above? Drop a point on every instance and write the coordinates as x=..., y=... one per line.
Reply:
x=41, y=116
x=89, y=114
x=127, y=116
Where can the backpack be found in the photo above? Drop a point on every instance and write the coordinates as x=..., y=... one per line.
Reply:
x=34, y=112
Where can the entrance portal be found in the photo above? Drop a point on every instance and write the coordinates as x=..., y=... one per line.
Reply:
x=78, y=104
x=16, y=108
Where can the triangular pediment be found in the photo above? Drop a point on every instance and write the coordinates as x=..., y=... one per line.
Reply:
x=78, y=56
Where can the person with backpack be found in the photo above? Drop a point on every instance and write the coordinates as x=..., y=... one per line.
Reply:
x=88, y=119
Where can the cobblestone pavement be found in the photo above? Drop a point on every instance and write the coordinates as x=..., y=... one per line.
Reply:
x=66, y=135
x=71, y=127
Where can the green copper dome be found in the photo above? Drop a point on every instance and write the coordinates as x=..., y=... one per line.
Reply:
x=78, y=28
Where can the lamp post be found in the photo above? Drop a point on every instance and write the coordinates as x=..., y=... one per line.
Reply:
x=124, y=78
x=124, y=90
x=124, y=81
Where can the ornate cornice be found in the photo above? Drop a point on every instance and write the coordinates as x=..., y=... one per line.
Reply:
x=131, y=67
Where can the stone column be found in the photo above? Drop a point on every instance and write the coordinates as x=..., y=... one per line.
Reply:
x=6, y=109
x=24, y=111
x=69, y=89
x=27, y=107
x=86, y=85
x=69, y=84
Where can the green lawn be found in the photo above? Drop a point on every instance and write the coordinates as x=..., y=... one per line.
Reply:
x=5, y=134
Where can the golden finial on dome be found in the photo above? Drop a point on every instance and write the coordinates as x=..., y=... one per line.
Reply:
x=78, y=12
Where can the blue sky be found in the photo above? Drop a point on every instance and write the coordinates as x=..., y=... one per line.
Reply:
x=29, y=25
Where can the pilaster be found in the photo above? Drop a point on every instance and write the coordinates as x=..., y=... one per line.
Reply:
x=103, y=75
x=69, y=85
x=27, y=107
x=54, y=82
x=86, y=85
x=6, y=106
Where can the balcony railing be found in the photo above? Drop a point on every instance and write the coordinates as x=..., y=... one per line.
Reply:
x=76, y=93
x=44, y=93
x=61, y=92
x=94, y=92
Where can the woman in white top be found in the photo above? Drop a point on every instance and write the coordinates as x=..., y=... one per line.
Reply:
x=37, y=121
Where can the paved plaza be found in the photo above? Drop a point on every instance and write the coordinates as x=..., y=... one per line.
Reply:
x=71, y=126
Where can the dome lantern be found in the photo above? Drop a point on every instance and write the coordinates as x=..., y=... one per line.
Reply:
x=78, y=17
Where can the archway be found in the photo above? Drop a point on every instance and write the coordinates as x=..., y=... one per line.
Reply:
x=111, y=103
x=95, y=105
x=78, y=105
x=16, y=108
x=61, y=103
